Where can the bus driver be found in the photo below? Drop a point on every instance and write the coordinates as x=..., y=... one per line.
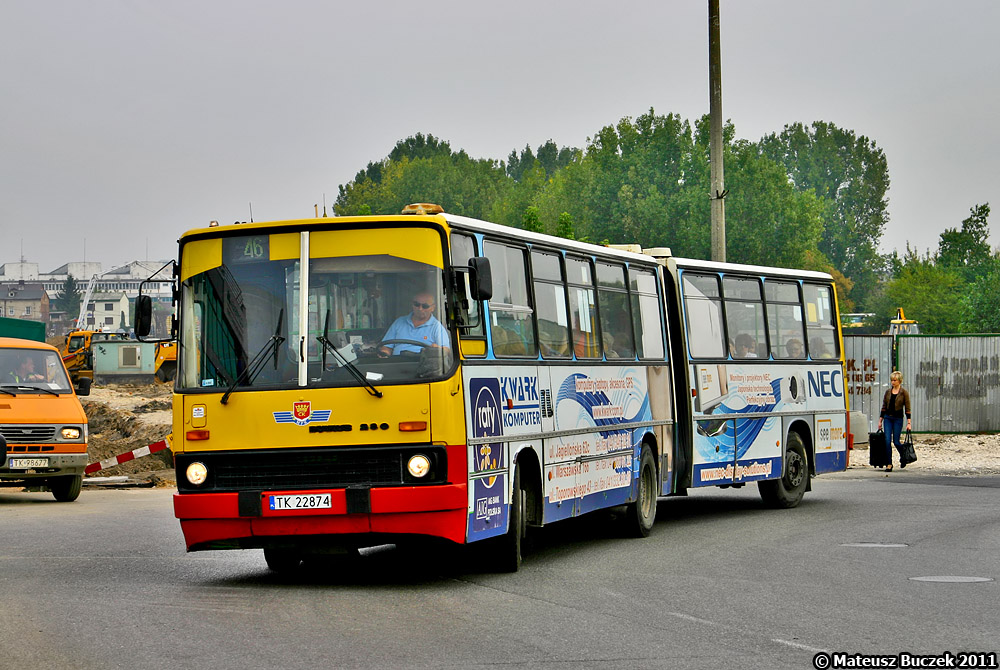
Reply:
x=419, y=325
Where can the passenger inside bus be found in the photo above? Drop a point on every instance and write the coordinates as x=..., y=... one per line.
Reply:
x=745, y=347
x=794, y=349
x=817, y=348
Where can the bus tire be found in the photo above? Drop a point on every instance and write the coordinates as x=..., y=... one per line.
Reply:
x=282, y=560
x=787, y=492
x=507, y=550
x=640, y=515
x=66, y=489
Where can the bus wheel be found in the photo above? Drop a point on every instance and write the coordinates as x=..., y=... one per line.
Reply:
x=787, y=492
x=641, y=514
x=506, y=552
x=282, y=560
x=66, y=489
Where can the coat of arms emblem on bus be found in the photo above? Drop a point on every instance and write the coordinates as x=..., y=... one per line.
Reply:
x=302, y=414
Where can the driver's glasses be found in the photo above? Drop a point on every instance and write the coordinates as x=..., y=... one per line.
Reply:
x=423, y=305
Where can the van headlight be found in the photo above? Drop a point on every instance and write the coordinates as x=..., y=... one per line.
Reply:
x=70, y=433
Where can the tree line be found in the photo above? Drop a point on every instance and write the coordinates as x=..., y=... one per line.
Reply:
x=810, y=197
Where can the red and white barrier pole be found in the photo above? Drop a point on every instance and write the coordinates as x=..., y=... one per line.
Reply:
x=128, y=456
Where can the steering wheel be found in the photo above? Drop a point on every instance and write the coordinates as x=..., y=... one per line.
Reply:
x=425, y=345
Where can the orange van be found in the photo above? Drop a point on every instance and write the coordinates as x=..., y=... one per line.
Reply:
x=43, y=428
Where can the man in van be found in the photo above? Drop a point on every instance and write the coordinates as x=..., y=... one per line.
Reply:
x=25, y=372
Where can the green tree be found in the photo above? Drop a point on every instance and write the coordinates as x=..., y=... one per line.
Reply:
x=530, y=220
x=460, y=184
x=979, y=304
x=636, y=168
x=967, y=251
x=69, y=297
x=768, y=221
x=849, y=172
x=929, y=293
x=564, y=227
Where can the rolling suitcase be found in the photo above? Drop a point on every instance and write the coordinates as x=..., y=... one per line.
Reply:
x=878, y=450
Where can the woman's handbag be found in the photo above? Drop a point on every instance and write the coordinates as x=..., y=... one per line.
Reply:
x=907, y=454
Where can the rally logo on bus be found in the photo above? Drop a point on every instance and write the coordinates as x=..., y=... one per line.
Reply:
x=302, y=414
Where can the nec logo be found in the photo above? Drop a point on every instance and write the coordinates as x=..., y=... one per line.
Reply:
x=826, y=383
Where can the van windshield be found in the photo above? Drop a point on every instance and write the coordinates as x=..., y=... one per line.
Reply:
x=27, y=369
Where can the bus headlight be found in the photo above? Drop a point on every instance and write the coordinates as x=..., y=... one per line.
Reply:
x=196, y=473
x=70, y=433
x=418, y=465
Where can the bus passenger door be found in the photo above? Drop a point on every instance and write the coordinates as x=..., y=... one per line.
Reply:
x=714, y=453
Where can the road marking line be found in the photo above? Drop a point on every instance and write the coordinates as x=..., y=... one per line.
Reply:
x=801, y=646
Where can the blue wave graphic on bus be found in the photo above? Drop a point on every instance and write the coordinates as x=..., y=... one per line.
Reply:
x=592, y=401
x=738, y=432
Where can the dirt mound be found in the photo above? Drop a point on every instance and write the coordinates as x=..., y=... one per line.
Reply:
x=154, y=406
x=117, y=431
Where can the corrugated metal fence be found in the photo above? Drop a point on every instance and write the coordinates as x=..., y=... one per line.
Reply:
x=869, y=362
x=953, y=380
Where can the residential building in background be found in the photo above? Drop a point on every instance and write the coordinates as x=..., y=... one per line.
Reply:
x=24, y=300
x=108, y=288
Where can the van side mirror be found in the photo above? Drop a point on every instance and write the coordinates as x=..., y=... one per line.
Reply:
x=143, y=315
x=482, y=278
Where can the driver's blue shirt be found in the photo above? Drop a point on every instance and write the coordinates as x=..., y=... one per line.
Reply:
x=431, y=332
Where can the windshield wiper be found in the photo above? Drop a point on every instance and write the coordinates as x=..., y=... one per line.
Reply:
x=254, y=367
x=351, y=367
x=21, y=387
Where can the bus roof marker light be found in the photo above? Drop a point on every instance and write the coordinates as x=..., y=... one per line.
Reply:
x=423, y=208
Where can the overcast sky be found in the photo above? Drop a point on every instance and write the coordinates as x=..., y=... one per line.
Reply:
x=124, y=123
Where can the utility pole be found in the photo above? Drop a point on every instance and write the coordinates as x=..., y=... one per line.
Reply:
x=718, y=192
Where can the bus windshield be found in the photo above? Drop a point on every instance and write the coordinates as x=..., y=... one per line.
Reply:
x=373, y=319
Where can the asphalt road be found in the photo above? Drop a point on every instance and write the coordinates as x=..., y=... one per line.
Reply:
x=722, y=582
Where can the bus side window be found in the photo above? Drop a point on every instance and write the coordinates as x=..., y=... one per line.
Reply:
x=550, y=300
x=821, y=326
x=784, y=319
x=615, y=310
x=646, y=314
x=511, y=315
x=463, y=247
x=744, y=317
x=583, y=308
x=703, y=309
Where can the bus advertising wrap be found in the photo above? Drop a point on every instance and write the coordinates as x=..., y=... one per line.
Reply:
x=744, y=409
x=580, y=423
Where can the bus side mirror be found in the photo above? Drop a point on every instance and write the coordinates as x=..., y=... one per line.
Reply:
x=143, y=315
x=83, y=385
x=482, y=278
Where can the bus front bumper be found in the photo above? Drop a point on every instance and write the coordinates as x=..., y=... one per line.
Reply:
x=236, y=520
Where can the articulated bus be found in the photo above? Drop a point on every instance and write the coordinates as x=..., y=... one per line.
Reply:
x=356, y=381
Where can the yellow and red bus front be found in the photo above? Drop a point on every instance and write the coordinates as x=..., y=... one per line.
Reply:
x=297, y=421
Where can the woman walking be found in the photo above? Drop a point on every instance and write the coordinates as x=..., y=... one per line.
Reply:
x=895, y=404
